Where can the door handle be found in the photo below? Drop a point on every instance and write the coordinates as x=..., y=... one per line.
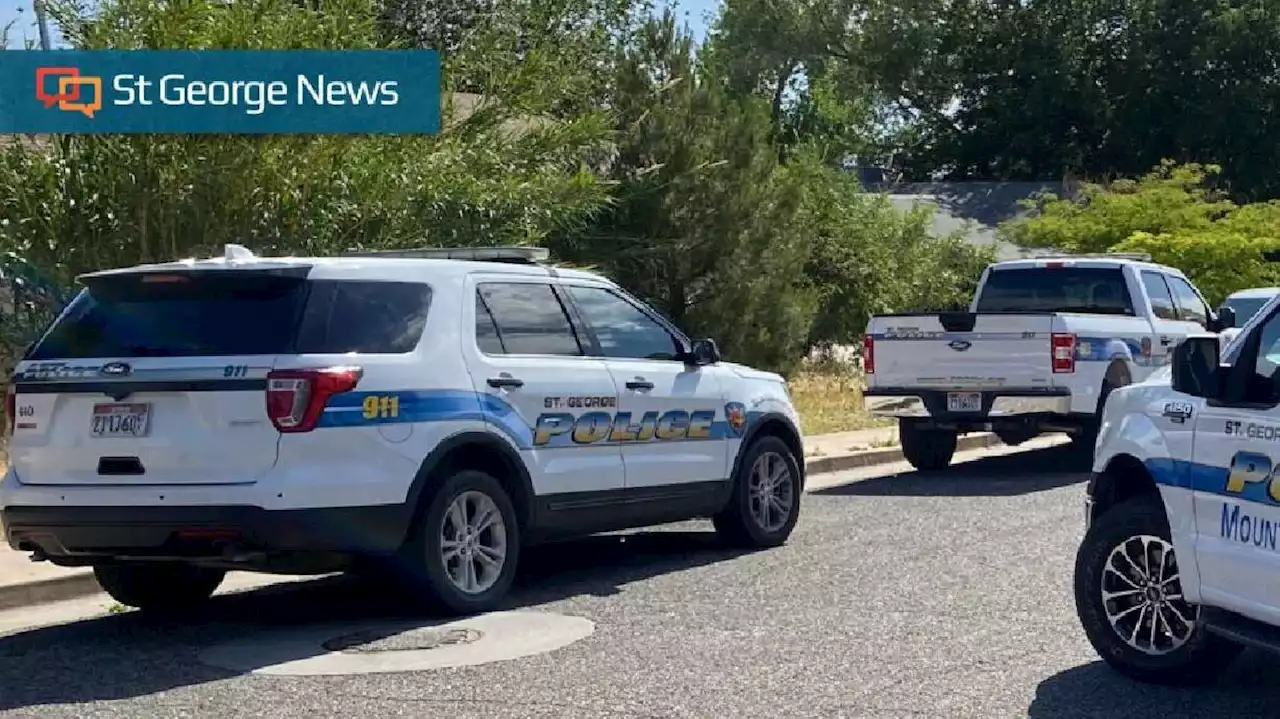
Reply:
x=505, y=382
x=1165, y=341
x=639, y=383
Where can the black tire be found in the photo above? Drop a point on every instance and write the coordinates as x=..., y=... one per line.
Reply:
x=1196, y=661
x=737, y=524
x=423, y=558
x=158, y=586
x=927, y=450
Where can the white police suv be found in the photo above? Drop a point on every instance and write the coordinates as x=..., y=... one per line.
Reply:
x=431, y=411
x=1180, y=565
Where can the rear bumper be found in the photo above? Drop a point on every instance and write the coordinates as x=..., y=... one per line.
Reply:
x=996, y=403
x=83, y=533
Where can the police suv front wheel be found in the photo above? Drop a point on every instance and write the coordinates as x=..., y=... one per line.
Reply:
x=1129, y=599
x=462, y=556
x=765, y=500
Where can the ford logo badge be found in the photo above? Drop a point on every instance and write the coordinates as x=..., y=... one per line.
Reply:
x=116, y=369
x=959, y=345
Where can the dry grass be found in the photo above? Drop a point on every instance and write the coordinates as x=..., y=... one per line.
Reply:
x=829, y=399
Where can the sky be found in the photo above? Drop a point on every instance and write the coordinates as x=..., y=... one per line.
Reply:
x=694, y=13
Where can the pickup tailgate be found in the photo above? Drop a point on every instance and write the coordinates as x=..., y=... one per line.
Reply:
x=962, y=350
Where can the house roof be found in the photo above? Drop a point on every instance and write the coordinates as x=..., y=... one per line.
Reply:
x=977, y=208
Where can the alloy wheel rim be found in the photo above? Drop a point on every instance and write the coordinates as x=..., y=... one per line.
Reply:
x=1142, y=596
x=772, y=491
x=473, y=542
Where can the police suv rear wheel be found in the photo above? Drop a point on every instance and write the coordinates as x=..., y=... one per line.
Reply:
x=158, y=586
x=927, y=449
x=1129, y=599
x=765, y=503
x=463, y=555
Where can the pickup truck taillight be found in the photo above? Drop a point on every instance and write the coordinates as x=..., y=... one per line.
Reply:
x=1064, y=352
x=296, y=398
x=868, y=354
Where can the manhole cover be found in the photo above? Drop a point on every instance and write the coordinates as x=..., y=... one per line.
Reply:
x=380, y=640
x=372, y=646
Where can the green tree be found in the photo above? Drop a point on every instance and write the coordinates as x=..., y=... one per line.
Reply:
x=493, y=176
x=701, y=224
x=1172, y=214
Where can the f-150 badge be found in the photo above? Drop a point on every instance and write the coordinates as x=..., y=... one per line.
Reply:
x=1177, y=411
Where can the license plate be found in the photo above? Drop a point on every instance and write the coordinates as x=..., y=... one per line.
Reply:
x=126, y=419
x=964, y=401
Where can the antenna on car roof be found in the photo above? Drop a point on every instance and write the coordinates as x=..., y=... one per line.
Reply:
x=514, y=254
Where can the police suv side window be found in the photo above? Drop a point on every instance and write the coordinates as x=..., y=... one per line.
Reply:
x=1161, y=300
x=528, y=320
x=622, y=329
x=487, y=337
x=1189, y=303
x=365, y=317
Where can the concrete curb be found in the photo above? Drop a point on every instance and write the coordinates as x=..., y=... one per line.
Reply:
x=46, y=591
x=82, y=582
x=888, y=455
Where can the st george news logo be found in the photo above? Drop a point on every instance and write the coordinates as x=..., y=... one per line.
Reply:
x=73, y=92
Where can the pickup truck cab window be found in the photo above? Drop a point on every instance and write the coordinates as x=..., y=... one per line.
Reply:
x=1190, y=307
x=1162, y=304
x=1096, y=290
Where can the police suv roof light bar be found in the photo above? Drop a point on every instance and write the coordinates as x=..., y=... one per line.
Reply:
x=513, y=253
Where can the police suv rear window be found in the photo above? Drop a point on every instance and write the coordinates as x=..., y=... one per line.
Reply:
x=228, y=312
x=177, y=315
x=1095, y=290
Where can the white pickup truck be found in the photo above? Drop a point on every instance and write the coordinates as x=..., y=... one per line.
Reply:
x=1043, y=343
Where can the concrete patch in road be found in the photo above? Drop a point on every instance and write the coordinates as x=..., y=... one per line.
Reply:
x=376, y=647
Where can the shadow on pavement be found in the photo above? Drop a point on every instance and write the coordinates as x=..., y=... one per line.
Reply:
x=128, y=655
x=1249, y=688
x=1002, y=475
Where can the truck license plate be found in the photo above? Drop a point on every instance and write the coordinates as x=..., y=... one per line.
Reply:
x=128, y=419
x=964, y=401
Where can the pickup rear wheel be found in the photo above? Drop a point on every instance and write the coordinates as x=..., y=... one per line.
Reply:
x=926, y=448
x=158, y=586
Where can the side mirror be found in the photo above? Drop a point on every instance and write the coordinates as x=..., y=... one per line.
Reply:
x=1195, y=366
x=1226, y=319
x=704, y=352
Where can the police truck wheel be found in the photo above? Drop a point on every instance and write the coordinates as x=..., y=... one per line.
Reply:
x=765, y=502
x=1129, y=599
x=158, y=586
x=463, y=554
x=927, y=449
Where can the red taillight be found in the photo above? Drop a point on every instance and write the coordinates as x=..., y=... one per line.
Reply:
x=296, y=397
x=868, y=354
x=10, y=410
x=1064, y=352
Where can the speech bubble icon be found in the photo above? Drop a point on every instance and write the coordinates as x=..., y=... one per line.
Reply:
x=89, y=106
x=42, y=79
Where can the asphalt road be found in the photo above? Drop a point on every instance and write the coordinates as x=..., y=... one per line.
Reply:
x=899, y=595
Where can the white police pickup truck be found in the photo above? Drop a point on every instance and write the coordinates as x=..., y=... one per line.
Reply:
x=1043, y=344
x=1180, y=564
x=429, y=412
